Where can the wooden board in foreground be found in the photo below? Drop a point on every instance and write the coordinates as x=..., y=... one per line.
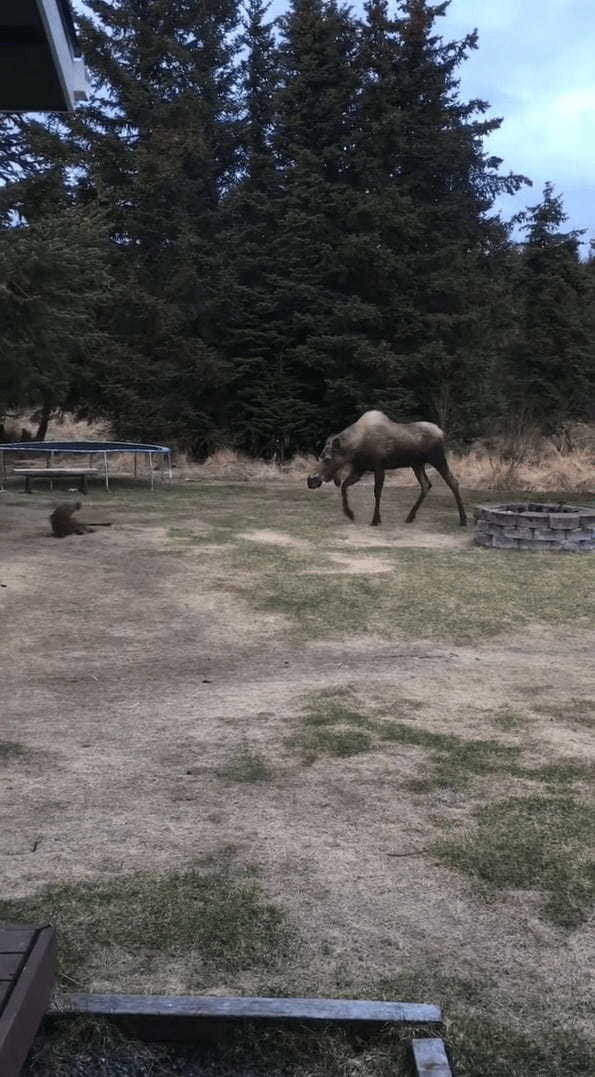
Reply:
x=27, y=968
x=181, y=1017
x=430, y=1059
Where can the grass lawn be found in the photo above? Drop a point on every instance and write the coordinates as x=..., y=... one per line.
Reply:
x=251, y=748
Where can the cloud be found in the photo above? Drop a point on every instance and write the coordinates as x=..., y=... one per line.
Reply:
x=535, y=66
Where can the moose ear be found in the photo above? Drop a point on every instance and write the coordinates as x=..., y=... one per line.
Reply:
x=336, y=444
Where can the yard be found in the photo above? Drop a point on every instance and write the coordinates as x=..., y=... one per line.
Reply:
x=248, y=747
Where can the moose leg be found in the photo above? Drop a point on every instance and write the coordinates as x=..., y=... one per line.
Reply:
x=353, y=477
x=443, y=469
x=378, y=484
x=426, y=486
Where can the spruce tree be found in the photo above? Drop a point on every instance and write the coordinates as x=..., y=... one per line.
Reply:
x=445, y=239
x=159, y=150
x=54, y=278
x=553, y=359
x=330, y=360
x=248, y=223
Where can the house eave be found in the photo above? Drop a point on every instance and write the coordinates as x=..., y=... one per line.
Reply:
x=41, y=69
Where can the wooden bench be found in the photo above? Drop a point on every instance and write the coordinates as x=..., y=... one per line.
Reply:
x=81, y=474
x=27, y=972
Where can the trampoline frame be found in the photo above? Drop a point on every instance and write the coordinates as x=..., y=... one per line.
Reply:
x=91, y=449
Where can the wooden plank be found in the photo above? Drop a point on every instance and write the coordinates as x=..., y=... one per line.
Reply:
x=16, y=939
x=430, y=1059
x=250, y=1008
x=9, y=965
x=27, y=1003
x=192, y=1018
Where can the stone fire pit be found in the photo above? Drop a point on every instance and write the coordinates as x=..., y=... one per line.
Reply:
x=535, y=526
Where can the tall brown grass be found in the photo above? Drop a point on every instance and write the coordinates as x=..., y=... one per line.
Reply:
x=530, y=463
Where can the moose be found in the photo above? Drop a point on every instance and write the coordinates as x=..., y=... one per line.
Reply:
x=376, y=444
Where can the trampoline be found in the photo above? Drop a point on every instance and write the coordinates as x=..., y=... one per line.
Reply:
x=92, y=449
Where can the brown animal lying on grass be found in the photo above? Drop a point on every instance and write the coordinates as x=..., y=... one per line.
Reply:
x=63, y=523
x=375, y=443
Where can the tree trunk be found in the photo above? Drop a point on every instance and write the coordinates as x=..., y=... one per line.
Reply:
x=44, y=418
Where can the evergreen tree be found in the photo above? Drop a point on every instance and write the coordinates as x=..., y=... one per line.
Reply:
x=53, y=278
x=248, y=224
x=159, y=147
x=430, y=147
x=553, y=359
x=327, y=358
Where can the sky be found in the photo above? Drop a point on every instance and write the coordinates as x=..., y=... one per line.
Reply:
x=536, y=66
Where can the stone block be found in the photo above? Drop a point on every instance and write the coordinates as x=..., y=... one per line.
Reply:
x=518, y=532
x=564, y=520
x=501, y=542
x=535, y=519
x=482, y=538
x=545, y=535
x=495, y=516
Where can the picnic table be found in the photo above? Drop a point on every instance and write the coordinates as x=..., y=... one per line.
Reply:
x=81, y=474
x=27, y=970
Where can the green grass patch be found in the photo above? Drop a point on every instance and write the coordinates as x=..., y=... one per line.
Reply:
x=459, y=596
x=489, y=1036
x=562, y=772
x=245, y=765
x=539, y=842
x=455, y=760
x=96, y=1049
x=509, y=720
x=320, y=740
x=11, y=751
x=332, y=725
x=323, y=710
x=213, y=923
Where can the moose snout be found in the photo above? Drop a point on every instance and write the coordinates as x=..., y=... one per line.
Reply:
x=314, y=481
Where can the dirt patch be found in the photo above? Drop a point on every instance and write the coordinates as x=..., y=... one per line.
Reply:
x=274, y=538
x=407, y=536
x=353, y=566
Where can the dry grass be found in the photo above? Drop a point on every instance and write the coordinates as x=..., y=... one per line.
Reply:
x=550, y=469
x=541, y=465
x=66, y=428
